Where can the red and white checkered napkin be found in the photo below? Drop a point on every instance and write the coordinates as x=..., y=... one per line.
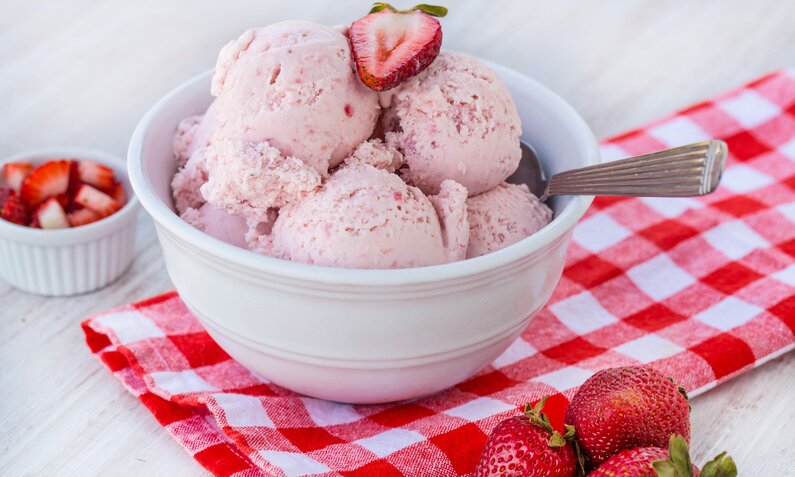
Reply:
x=702, y=289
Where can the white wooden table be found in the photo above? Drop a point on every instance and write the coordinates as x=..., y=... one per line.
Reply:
x=82, y=72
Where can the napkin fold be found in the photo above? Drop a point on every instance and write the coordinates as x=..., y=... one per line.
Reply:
x=701, y=289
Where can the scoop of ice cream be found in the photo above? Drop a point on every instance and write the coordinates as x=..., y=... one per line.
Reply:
x=247, y=179
x=450, y=205
x=455, y=120
x=503, y=216
x=193, y=133
x=363, y=217
x=377, y=154
x=218, y=223
x=292, y=84
x=186, y=183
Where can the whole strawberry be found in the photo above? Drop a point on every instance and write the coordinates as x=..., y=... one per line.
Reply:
x=527, y=446
x=623, y=408
x=659, y=462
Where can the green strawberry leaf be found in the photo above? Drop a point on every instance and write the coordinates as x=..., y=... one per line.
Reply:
x=665, y=468
x=556, y=440
x=721, y=466
x=378, y=6
x=680, y=457
x=432, y=10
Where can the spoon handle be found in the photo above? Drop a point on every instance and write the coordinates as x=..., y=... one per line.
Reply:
x=683, y=171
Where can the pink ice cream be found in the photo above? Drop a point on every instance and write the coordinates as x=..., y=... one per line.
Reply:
x=194, y=132
x=503, y=216
x=455, y=120
x=364, y=217
x=186, y=183
x=293, y=85
x=218, y=223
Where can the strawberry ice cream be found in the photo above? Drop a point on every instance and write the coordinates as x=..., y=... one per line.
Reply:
x=365, y=217
x=293, y=85
x=194, y=132
x=187, y=181
x=455, y=120
x=503, y=216
x=218, y=223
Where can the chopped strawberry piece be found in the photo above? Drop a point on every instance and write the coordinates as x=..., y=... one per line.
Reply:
x=14, y=174
x=64, y=199
x=34, y=222
x=51, y=215
x=96, y=200
x=47, y=180
x=5, y=193
x=74, y=178
x=13, y=210
x=82, y=217
x=97, y=175
x=390, y=46
x=119, y=195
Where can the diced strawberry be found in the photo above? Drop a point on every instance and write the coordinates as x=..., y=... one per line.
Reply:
x=51, y=215
x=47, y=180
x=390, y=46
x=64, y=199
x=96, y=200
x=34, y=222
x=13, y=210
x=5, y=193
x=14, y=173
x=74, y=178
x=82, y=217
x=97, y=175
x=119, y=195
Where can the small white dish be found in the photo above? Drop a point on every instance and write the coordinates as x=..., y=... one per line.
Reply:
x=71, y=261
x=363, y=336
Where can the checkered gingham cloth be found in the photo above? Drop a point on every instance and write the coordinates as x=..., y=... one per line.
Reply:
x=701, y=289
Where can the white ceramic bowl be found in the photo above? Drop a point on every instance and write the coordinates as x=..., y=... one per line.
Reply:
x=363, y=336
x=69, y=261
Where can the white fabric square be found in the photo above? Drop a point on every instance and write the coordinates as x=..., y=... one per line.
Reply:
x=741, y=179
x=582, y=313
x=734, y=239
x=671, y=207
x=181, y=382
x=293, y=464
x=479, y=408
x=660, y=277
x=611, y=152
x=243, y=411
x=786, y=276
x=649, y=348
x=749, y=108
x=788, y=149
x=788, y=210
x=519, y=350
x=679, y=132
x=130, y=326
x=728, y=313
x=565, y=378
x=328, y=413
x=390, y=441
x=599, y=232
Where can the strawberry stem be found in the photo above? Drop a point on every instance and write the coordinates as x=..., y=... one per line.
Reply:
x=432, y=10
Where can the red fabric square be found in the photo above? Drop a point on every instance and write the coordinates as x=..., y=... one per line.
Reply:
x=731, y=278
x=654, y=318
x=788, y=247
x=400, y=414
x=486, y=384
x=574, y=351
x=114, y=360
x=309, y=439
x=222, y=459
x=790, y=181
x=462, y=446
x=199, y=349
x=592, y=271
x=785, y=310
x=555, y=409
x=745, y=146
x=668, y=233
x=96, y=341
x=725, y=353
x=376, y=468
x=603, y=202
x=739, y=206
x=166, y=412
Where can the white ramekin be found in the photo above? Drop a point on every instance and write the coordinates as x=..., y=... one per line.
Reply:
x=363, y=336
x=69, y=261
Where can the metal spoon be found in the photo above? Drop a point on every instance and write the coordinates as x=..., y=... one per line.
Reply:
x=684, y=171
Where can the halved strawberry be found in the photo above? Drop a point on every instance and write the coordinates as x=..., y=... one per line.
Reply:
x=96, y=200
x=48, y=180
x=390, y=46
x=14, y=173
x=119, y=195
x=97, y=175
x=82, y=217
x=13, y=210
x=51, y=215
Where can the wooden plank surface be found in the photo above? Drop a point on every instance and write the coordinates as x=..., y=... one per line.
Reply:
x=83, y=72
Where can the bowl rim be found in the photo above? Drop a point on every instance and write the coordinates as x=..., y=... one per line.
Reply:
x=72, y=235
x=165, y=217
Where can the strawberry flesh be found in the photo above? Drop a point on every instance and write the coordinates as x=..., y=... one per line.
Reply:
x=96, y=200
x=51, y=215
x=13, y=210
x=14, y=174
x=97, y=175
x=5, y=193
x=48, y=180
x=390, y=47
x=82, y=217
